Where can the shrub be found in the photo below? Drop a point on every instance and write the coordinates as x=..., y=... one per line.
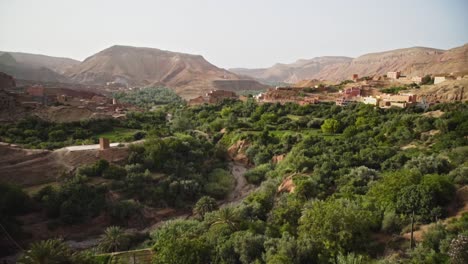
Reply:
x=219, y=183
x=257, y=174
x=114, y=172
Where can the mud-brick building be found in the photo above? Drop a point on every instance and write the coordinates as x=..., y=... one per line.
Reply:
x=399, y=100
x=213, y=97
x=393, y=75
x=217, y=96
x=38, y=94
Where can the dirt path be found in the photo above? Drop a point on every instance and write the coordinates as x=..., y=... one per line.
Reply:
x=96, y=146
x=241, y=190
x=242, y=187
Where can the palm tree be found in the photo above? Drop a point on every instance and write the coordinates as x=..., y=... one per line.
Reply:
x=226, y=215
x=50, y=251
x=113, y=239
x=205, y=205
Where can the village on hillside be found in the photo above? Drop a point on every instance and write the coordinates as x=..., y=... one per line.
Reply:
x=367, y=90
x=391, y=90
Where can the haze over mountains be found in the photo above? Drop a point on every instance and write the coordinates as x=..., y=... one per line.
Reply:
x=416, y=61
x=32, y=67
x=191, y=75
x=294, y=72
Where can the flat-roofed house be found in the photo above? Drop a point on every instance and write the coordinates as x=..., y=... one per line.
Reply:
x=393, y=75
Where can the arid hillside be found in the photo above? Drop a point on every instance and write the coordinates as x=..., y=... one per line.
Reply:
x=449, y=91
x=189, y=75
x=28, y=71
x=56, y=64
x=294, y=72
x=416, y=61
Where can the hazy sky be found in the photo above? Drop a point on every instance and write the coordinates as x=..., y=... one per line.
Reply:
x=235, y=33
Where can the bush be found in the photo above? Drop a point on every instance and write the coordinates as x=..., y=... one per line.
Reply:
x=257, y=174
x=121, y=211
x=330, y=126
x=13, y=200
x=429, y=164
x=57, y=136
x=391, y=222
x=220, y=182
x=114, y=172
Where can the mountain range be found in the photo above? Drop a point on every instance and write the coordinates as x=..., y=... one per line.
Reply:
x=191, y=75
x=416, y=61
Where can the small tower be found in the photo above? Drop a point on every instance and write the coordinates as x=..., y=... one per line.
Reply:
x=104, y=143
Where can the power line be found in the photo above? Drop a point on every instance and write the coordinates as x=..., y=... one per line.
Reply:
x=11, y=238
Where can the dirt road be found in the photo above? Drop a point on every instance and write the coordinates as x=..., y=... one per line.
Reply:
x=96, y=146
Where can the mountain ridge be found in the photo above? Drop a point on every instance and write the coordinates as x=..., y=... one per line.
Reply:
x=413, y=61
x=188, y=74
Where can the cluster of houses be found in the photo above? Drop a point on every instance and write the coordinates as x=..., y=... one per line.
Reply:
x=357, y=94
x=284, y=95
x=418, y=79
x=213, y=97
x=36, y=96
x=14, y=100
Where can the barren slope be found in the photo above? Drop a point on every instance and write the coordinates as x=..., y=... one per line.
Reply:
x=189, y=75
x=32, y=167
x=24, y=71
x=294, y=72
x=56, y=64
x=416, y=61
x=449, y=91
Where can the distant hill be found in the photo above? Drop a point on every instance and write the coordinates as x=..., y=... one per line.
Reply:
x=27, y=71
x=294, y=72
x=57, y=64
x=416, y=61
x=189, y=75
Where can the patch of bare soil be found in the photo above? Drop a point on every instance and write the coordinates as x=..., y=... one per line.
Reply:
x=30, y=167
x=242, y=187
x=237, y=154
x=287, y=185
x=435, y=114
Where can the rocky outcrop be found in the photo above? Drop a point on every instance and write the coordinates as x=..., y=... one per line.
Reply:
x=237, y=151
x=448, y=91
x=287, y=185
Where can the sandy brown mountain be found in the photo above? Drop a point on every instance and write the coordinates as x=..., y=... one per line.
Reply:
x=56, y=64
x=189, y=75
x=294, y=72
x=416, y=61
x=29, y=69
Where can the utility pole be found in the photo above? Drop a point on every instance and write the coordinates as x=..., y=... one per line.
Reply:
x=412, y=228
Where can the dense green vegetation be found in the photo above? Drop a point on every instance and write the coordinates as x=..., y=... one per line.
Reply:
x=149, y=97
x=394, y=89
x=361, y=176
x=33, y=132
x=349, y=189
